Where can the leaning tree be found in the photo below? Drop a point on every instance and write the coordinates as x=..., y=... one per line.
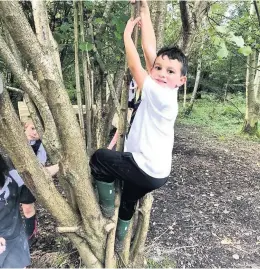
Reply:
x=32, y=55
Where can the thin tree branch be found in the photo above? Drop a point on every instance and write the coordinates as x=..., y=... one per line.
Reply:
x=144, y=218
x=77, y=70
x=105, y=16
x=14, y=89
x=257, y=12
x=86, y=78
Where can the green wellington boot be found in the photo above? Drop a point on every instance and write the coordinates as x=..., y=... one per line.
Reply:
x=121, y=231
x=106, y=192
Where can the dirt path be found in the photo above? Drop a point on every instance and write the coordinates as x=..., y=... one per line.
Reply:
x=208, y=214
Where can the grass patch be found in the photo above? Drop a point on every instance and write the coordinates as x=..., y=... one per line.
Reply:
x=164, y=263
x=224, y=119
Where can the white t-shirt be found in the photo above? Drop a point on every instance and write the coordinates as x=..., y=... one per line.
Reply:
x=151, y=136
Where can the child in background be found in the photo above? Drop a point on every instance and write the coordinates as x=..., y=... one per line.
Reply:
x=28, y=206
x=34, y=140
x=146, y=163
x=14, y=249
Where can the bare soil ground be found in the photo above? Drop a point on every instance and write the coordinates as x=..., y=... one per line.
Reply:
x=207, y=215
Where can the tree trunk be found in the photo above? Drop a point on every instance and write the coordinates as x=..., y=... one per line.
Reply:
x=77, y=72
x=252, y=115
x=250, y=126
x=192, y=18
x=158, y=16
x=195, y=89
x=86, y=76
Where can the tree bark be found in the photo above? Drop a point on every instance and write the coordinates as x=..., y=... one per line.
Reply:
x=195, y=89
x=158, y=16
x=86, y=76
x=252, y=115
x=77, y=72
x=192, y=19
x=43, y=32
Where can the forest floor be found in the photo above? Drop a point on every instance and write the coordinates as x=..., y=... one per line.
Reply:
x=207, y=215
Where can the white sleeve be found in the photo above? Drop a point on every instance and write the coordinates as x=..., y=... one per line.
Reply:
x=42, y=155
x=154, y=92
x=14, y=175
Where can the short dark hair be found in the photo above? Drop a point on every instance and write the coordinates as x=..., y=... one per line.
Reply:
x=174, y=53
x=3, y=171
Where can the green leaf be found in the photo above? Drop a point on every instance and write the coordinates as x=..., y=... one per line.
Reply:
x=216, y=40
x=222, y=29
x=223, y=52
x=118, y=35
x=114, y=21
x=211, y=31
x=65, y=27
x=85, y=46
x=245, y=50
x=214, y=8
x=57, y=36
x=99, y=21
x=120, y=27
x=238, y=40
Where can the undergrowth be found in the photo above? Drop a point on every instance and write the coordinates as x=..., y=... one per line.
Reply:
x=223, y=119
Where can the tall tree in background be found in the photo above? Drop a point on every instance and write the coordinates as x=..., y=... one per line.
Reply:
x=252, y=115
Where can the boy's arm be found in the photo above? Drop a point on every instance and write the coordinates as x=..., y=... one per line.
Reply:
x=148, y=36
x=132, y=56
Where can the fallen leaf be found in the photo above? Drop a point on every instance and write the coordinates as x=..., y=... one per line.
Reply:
x=235, y=256
x=226, y=241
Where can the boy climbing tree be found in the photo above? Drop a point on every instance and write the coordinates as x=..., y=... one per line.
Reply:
x=145, y=163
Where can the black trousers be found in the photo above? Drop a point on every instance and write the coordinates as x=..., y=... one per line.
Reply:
x=107, y=165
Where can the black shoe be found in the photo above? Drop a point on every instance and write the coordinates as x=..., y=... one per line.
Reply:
x=31, y=229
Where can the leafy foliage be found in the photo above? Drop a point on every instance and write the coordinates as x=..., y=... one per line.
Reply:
x=229, y=35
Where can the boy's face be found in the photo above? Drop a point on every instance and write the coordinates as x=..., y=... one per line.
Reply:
x=31, y=132
x=167, y=72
